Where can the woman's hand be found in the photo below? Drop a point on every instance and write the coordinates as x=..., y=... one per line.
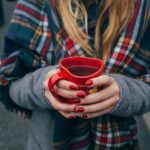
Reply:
x=103, y=101
x=64, y=89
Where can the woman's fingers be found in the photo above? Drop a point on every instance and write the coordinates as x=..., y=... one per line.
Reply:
x=103, y=80
x=69, y=93
x=59, y=105
x=64, y=84
x=85, y=115
x=97, y=107
x=104, y=94
x=96, y=114
x=92, y=105
x=67, y=115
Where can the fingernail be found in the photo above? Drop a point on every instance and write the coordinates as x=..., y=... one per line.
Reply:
x=84, y=116
x=80, y=109
x=73, y=87
x=81, y=94
x=72, y=117
x=89, y=82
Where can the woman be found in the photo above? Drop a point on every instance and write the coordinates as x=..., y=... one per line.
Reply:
x=41, y=33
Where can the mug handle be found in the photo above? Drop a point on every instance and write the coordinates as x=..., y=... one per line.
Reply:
x=53, y=80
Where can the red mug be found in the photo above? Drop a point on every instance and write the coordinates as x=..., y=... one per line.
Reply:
x=78, y=70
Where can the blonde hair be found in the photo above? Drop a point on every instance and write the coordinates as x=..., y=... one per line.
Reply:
x=118, y=13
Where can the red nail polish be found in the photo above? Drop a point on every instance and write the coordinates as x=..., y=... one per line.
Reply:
x=81, y=94
x=89, y=82
x=84, y=116
x=73, y=87
x=80, y=109
x=72, y=117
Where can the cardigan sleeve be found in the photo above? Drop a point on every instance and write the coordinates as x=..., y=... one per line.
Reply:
x=28, y=91
x=134, y=97
x=20, y=59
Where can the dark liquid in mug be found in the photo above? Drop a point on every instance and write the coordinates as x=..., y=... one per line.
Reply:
x=82, y=70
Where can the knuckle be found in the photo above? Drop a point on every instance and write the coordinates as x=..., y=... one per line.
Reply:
x=45, y=85
x=57, y=90
x=87, y=109
x=54, y=106
x=107, y=78
x=60, y=83
x=116, y=88
x=70, y=94
x=66, y=108
x=88, y=99
x=103, y=80
x=59, y=105
x=73, y=94
x=108, y=104
x=71, y=109
x=63, y=114
x=63, y=83
x=117, y=97
x=50, y=73
x=116, y=92
x=66, y=115
x=117, y=100
x=111, y=78
x=98, y=79
x=62, y=107
x=114, y=101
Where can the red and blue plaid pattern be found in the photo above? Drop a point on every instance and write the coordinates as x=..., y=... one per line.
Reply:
x=31, y=22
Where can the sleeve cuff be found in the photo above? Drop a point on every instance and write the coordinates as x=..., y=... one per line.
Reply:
x=44, y=101
x=123, y=107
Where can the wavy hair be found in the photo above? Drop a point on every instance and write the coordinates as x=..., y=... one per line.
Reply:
x=117, y=13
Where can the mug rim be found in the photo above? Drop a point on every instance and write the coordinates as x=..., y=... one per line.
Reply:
x=99, y=71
